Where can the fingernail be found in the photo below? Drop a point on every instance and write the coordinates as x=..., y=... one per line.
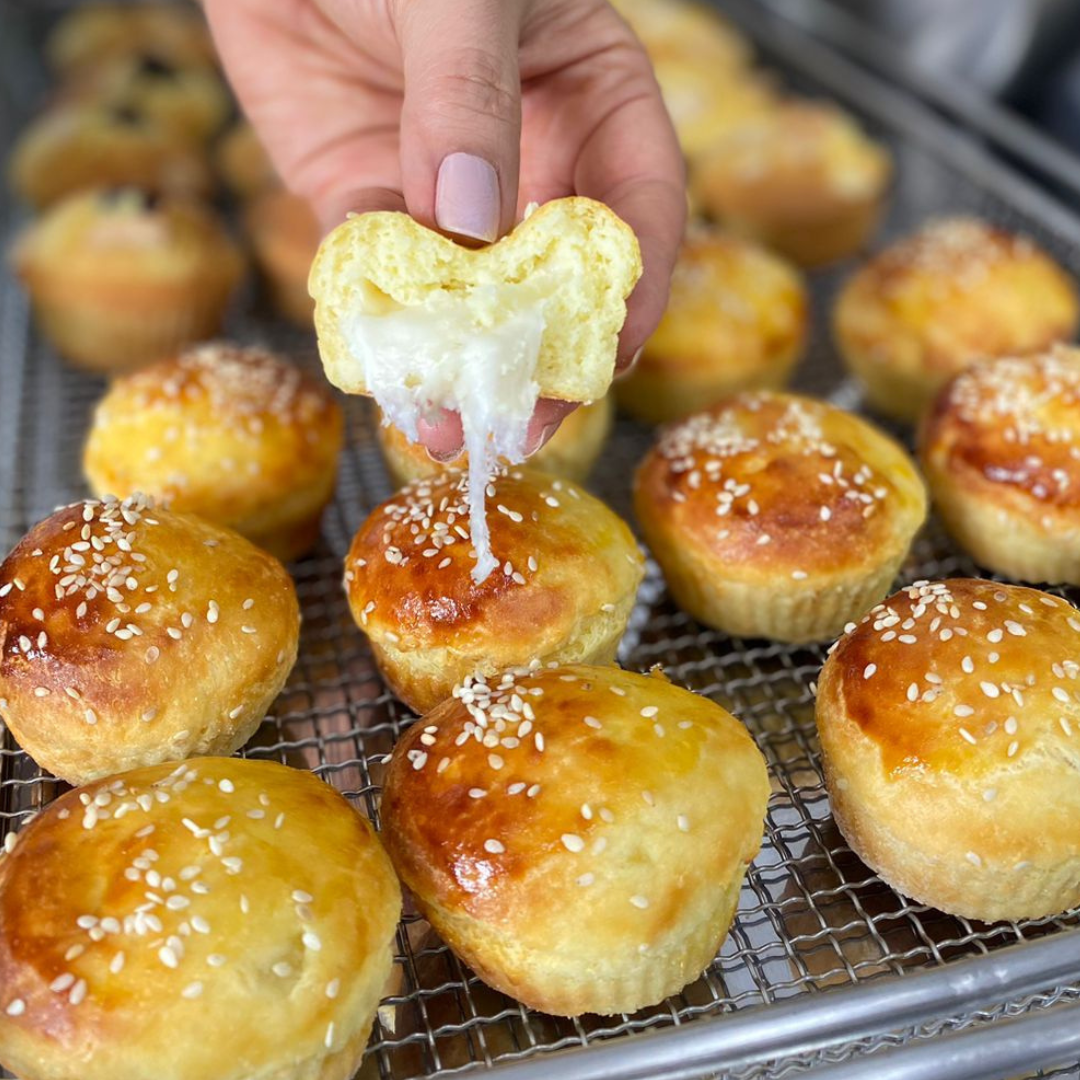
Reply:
x=467, y=197
x=443, y=457
x=541, y=439
x=634, y=359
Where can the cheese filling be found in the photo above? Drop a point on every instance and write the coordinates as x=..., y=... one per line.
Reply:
x=473, y=351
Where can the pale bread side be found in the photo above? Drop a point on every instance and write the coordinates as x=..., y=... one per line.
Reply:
x=589, y=253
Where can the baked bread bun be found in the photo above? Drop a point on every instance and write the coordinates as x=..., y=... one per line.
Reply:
x=566, y=270
x=570, y=453
x=221, y=920
x=81, y=145
x=131, y=635
x=956, y=291
x=736, y=320
x=949, y=719
x=802, y=178
x=1001, y=451
x=778, y=516
x=284, y=233
x=578, y=835
x=568, y=573
x=232, y=433
x=96, y=33
x=119, y=278
x=243, y=163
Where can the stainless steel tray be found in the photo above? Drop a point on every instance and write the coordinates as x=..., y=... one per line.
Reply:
x=826, y=970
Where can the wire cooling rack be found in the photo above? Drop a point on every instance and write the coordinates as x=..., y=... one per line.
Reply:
x=826, y=969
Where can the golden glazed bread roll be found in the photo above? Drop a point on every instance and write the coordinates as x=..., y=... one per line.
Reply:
x=570, y=453
x=949, y=722
x=778, y=516
x=563, y=591
x=119, y=279
x=1001, y=451
x=130, y=635
x=220, y=920
x=736, y=320
x=566, y=270
x=81, y=145
x=801, y=178
x=682, y=29
x=957, y=291
x=232, y=433
x=578, y=835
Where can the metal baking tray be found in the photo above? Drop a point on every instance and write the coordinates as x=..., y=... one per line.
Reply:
x=827, y=971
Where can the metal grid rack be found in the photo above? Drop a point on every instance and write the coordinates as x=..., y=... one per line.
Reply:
x=812, y=918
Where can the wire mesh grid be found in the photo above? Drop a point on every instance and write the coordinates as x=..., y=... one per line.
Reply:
x=811, y=917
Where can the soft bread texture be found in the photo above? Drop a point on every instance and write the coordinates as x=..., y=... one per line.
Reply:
x=570, y=453
x=777, y=516
x=220, y=920
x=957, y=291
x=949, y=720
x=130, y=635
x=118, y=280
x=75, y=146
x=736, y=320
x=687, y=30
x=575, y=251
x=801, y=178
x=1001, y=451
x=283, y=233
x=170, y=429
x=578, y=835
x=96, y=33
x=568, y=574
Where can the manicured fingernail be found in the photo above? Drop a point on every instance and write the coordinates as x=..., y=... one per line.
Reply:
x=633, y=360
x=443, y=457
x=467, y=197
x=540, y=439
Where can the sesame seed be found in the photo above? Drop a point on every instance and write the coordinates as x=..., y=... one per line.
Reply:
x=192, y=991
x=282, y=969
x=963, y=710
x=226, y=786
x=573, y=842
x=638, y=901
x=586, y=880
x=493, y=847
x=683, y=822
x=649, y=711
x=332, y=988
x=16, y=1007
x=62, y=983
x=973, y=859
x=329, y=1040
x=495, y=761
x=168, y=957
x=869, y=670
x=311, y=941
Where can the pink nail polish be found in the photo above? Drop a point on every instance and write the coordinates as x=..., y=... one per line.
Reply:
x=467, y=200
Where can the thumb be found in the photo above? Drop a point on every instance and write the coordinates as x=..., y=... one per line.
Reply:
x=461, y=120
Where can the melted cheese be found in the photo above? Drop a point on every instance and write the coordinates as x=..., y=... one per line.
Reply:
x=474, y=352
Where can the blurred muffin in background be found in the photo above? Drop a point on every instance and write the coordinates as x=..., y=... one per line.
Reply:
x=242, y=162
x=76, y=146
x=956, y=291
x=193, y=100
x=95, y=33
x=703, y=67
x=284, y=235
x=736, y=320
x=570, y=453
x=119, y=278
x=802, y=178
x=681, y=28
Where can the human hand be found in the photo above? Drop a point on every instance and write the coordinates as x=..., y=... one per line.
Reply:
x=462, y=112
